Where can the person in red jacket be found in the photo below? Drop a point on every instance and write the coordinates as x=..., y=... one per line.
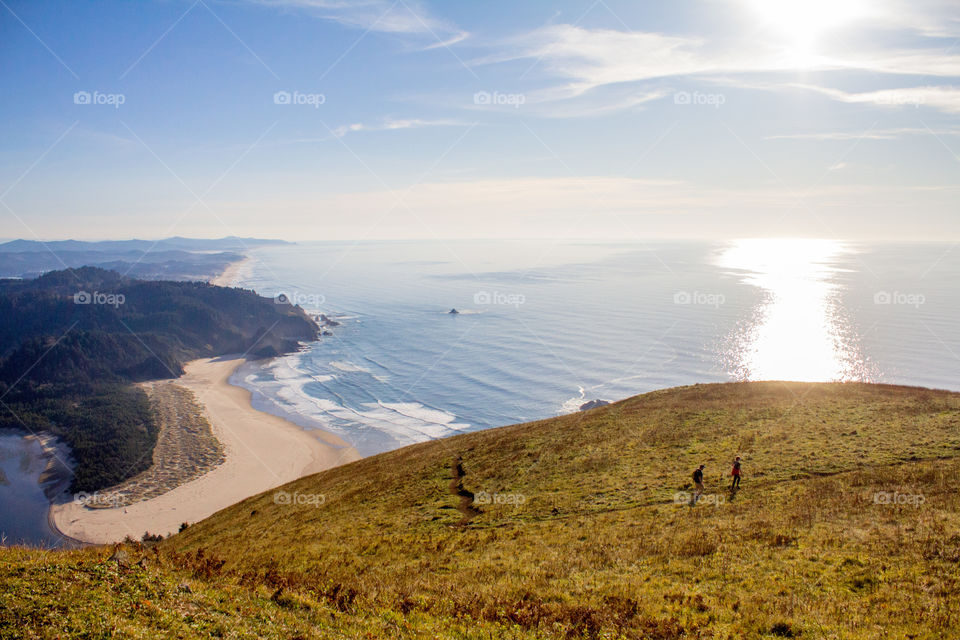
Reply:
x=735, y=472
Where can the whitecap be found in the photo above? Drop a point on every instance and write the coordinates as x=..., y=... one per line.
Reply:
x=348, y=367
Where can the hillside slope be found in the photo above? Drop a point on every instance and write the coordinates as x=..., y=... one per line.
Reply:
x=846, y=526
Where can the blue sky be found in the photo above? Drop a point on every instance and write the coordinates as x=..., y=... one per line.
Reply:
x=605, y=119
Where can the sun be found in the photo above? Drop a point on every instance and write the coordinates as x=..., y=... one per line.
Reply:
x=802, y=24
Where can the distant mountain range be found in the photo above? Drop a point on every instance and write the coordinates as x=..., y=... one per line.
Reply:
x=169, y=259
x=230, y=243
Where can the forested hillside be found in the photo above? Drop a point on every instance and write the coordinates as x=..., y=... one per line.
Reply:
x=72, y=341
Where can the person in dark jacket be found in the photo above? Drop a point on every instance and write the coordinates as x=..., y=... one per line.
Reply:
x=698, y=483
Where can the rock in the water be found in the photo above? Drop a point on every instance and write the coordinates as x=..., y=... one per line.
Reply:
x=453, y=312
x=593, y=404
x=327, y=321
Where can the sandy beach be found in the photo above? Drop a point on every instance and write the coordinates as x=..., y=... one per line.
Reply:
x=233, y=274
x=262, y=451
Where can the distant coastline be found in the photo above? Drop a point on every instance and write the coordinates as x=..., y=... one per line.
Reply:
x=187, y=259
x=262, y=451
x=233, y=274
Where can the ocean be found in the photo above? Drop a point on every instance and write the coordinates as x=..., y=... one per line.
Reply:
x=543, y=327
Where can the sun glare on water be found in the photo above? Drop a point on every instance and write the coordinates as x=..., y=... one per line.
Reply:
x=798, y=331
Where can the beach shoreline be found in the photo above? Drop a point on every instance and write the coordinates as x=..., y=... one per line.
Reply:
x=262, y=450
x=233, y=274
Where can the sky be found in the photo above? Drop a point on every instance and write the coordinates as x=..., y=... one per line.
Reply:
x=394, y=119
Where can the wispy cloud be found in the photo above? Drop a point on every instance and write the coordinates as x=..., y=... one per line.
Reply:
x=382, y=125
x=946, y=99
x=581, y=60
x=876, y=134
x=589, y=58
x=392, y=125
x=595, y=57
x=592, y=106
x=406, y=17
x=930, y=18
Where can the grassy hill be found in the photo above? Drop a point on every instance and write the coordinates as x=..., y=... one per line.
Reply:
x=847, y=526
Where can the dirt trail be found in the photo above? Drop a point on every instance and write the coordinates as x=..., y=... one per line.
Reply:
x=465, y=505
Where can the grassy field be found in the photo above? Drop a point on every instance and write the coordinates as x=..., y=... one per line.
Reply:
x=847, y=525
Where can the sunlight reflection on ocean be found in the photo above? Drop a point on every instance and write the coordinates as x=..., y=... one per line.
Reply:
x=799, y=331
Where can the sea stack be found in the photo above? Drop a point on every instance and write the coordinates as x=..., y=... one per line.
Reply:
x=327, y=321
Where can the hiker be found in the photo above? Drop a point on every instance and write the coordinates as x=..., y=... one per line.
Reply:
x=698, y=482
x=735, y=472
